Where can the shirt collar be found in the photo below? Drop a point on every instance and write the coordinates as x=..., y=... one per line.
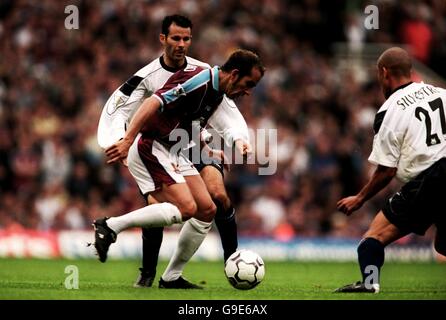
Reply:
x=171, y=69
x=401, y=87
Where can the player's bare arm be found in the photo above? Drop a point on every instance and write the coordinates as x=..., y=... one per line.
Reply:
x=380, y=179
x=120, y=149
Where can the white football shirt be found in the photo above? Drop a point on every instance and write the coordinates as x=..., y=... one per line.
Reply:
x=123, y=103
x=410, y=130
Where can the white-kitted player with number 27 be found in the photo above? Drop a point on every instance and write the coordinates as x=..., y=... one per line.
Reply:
x=409, y=143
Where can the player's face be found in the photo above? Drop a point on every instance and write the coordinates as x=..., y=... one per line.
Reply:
x=239, y=87
x=176, y=45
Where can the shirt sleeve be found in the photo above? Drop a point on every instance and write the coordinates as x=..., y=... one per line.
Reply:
x=229, y=123
x=117, y=113
x=386, y=146
x=112, y=122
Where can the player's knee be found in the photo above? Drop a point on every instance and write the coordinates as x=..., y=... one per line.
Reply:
x=188, y=209
x=222, y=199
x=207, y=213
x=379, y=235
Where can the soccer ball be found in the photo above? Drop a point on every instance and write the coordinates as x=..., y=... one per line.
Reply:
x=244, y=269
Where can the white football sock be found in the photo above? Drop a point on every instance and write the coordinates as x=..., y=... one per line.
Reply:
x=191, y=236
x=154, y=215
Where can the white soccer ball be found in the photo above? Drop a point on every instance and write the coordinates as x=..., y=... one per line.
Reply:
x=244, y=269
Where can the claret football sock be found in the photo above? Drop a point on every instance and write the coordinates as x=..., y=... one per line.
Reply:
x=191, y=236
x=227, y=227
x=371, y=259
x=154, y=215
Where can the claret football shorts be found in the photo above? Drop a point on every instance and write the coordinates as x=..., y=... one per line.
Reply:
x=152, y=164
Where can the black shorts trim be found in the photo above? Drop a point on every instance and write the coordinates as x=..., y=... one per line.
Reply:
x=200, y=166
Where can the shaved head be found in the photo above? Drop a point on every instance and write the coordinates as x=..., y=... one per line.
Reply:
x=394, y=68
x=397, y=61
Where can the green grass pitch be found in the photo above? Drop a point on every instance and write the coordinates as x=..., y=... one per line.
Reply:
x=45, y=279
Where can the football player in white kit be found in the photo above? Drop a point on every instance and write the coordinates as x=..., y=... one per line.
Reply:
x=227, y=121
x=409, y=143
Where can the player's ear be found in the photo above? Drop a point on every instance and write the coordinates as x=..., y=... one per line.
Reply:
x=162, y=38
x=385, y=73
x=234, y=74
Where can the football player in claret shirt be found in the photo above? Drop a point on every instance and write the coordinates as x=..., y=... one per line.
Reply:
x=191, y=94
x=227, y=121
x=409, y=143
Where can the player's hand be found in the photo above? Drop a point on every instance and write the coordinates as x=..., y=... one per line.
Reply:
x=243, y=147
x=220, y=156
x=118, y=151
x=349, y=204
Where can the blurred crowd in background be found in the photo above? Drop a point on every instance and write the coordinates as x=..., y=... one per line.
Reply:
x=54, y=83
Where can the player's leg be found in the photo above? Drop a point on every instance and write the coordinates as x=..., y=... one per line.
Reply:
x=440, y=239
x=225, y=216
x=191, y=235
x=177, y=205
x=371, y=248
x=411, y=210
x=437, y=203
x=371, y=253
x=151, y=244
x=440, y=220
x=180, y=206
x=150, y=163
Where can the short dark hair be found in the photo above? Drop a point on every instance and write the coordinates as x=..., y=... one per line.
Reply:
x=397, y=61
x=179, y=20
x=243, y=60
